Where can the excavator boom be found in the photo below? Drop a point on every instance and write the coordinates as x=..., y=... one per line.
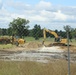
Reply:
x=50, y=31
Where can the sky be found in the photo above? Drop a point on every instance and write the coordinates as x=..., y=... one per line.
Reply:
x=51, y=14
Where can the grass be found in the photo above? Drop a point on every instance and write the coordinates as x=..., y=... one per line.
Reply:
x=34, y=68
x=29, y=39
x=73, y=42
x=47, y=41
x=6, y=46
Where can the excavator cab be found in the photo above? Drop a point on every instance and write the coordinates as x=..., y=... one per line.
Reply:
x=57, y=39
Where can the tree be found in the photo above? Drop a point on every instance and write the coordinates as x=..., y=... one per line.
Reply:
x=37, y=32
x=68, y=30
x=18, y=26
x=9, y=31
x=4, y=31
x=0, y=31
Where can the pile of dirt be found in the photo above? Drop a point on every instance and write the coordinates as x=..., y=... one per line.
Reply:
x=34, y=45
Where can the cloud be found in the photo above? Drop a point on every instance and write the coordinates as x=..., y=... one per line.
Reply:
x=60, y=16
x=18, y=5
x=1, y=4
x=43, y=13
x=69, y=10
x=43, y=5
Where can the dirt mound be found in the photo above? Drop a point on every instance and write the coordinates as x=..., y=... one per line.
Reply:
x=33, y=45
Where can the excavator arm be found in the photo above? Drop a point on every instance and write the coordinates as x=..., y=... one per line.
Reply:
x=49, y=31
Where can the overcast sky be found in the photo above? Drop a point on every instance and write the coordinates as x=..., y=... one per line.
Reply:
x=51, y=14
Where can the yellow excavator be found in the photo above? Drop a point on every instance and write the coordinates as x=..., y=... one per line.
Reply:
x=58, y=40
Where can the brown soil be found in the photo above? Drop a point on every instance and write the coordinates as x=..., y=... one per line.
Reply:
x=26, y=46
x=32, y=46
x=35, y=46
x=71, y=48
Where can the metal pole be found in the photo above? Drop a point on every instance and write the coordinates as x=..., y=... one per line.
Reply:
x=68, y=53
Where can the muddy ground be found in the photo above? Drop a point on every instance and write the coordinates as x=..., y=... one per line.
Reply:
x=37, y=52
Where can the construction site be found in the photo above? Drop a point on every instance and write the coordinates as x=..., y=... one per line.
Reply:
x=41, y=52
x=36, y=54
x=37, y=37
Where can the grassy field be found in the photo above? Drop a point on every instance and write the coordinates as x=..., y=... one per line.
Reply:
x=34, y=68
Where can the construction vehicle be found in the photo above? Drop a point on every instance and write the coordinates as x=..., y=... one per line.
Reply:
x=4, y=40
x=58, y=40
x=12, y=40
x=17, y=41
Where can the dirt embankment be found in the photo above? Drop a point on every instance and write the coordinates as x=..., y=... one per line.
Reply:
x=26, y=46
x=35, y=46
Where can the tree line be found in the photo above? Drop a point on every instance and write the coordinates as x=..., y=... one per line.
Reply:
x=20, y=27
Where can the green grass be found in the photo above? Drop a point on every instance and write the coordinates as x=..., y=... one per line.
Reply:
x=28, y=39
x=73, y=42
x=34, y=68
x=6, y=46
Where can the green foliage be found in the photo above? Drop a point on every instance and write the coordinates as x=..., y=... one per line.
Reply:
x=3, y=31
x=18, y=26
x=9, y=30
x=62, y=34
x=67, y=28
x=37, y=32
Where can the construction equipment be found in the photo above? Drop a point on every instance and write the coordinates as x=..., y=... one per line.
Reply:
x=4, y=40
x=12, y=40
x=17, y=41
x=58, y=40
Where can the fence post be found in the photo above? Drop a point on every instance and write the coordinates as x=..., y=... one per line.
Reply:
x=68, y=53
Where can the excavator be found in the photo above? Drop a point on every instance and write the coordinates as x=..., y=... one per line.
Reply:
x=58, y=40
